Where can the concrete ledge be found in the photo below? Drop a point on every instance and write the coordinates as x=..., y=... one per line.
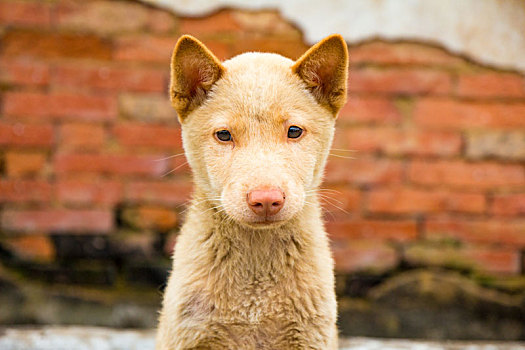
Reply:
x=88, y=338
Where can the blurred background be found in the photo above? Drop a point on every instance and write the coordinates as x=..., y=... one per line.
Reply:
x=427, y=213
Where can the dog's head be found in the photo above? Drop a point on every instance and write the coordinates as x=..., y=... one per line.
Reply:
x=257, y=128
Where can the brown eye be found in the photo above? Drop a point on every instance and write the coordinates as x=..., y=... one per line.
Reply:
x=224, y=135
x=294, y=132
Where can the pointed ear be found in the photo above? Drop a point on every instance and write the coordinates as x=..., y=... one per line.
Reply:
x=324, y=69
x=194, y=70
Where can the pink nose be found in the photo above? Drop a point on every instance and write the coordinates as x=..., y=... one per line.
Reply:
x=265, y=202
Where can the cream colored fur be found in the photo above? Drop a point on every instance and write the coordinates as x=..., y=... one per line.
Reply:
x=238, y=283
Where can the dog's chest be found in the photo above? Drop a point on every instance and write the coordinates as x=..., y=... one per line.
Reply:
x=257, y=285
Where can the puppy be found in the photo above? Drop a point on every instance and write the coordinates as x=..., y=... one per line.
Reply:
x=252, y=267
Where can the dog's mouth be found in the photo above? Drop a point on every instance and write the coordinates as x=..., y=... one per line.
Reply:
x=263, y=223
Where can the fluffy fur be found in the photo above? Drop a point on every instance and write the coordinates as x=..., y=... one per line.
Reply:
x=237, y=282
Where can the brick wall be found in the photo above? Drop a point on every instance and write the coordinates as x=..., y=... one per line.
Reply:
x=436, y=176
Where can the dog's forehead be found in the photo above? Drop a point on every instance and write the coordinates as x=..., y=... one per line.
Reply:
x=260, y=85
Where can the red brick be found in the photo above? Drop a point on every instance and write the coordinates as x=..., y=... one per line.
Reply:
x=491, y=85
x=25, y=13
x=508, y=204
x=143, y=135
x=398, y=230
x=486, y=231
x=401, y=54
x=507, y=145
x=471, y=257
x=82, y=136
x=111, y=164
x=17, y=134
x=449, y=114
x=64, y=106
x=25, y=191
x=393, y=141
x=218, y=22
x=150, y=217
x=33, y=247
x=399, y=81
x=363, y=255
x=23, y=72
x=264, y=22
x=55, y=45
x=403, y=200
x=369, y=109
x=145, y=48
x=364, y=171
x=111, y=78
x=147, y=108
x=498, y=261
x=111, y=17
x=163, y=193
x=58, y=220
x=483, y=175
x=83, y=192
x=24, y=164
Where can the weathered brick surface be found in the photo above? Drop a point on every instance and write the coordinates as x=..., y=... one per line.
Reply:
x=485, y=175
x=143, y=135
x=406, y=54
x=395, y=230
x=25, y=191
x=364, y=255
x=150, y=217
x=505, y=145
x=58, y=220
x=89, y=192
x=19, y=134
x=29, y=14
x=429, y=147
x=59, y=106
x=491, y=85
x=495, y=260
x=25, y=164
x=112, y=17
x=34, y=247
x=82, y=136
x=508, y=204
x=173, y=193
x=110, y=78
x=395, y=141
x=52, y=45
x=364, y=171
x=452, y=114
x=361, y=109
x=399, y=81
x=147, y=108
x=413, y=201
x=21, y=72
x=484, y=231
x=109, y=164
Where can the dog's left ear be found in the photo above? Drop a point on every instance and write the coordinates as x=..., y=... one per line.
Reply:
x=194, y=70
x=324, y=69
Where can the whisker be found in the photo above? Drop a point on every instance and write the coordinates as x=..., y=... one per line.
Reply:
x=169, y=157
x=326, y=198
x=174, y=169
x=343, y=150
x=340, y=156
x=336, y=206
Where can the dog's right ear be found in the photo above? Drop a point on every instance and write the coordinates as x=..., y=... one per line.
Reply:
x=194, y=70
